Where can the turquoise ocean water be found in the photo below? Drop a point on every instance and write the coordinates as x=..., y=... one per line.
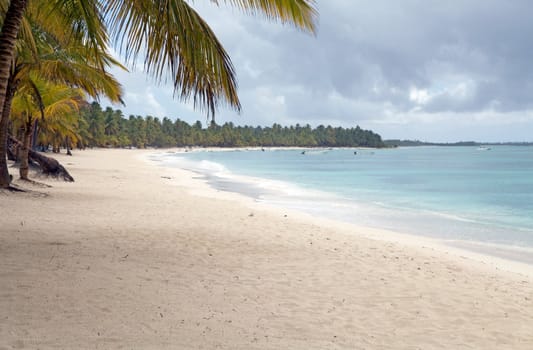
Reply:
x=472, y=197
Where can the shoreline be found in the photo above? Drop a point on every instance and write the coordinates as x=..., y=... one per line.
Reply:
x=497, y=256
x=138, y=256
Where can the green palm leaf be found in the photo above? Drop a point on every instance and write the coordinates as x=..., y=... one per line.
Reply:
x=173, y=38
x=301, y=13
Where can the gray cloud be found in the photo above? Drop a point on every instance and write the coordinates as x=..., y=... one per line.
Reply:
x=383, y=64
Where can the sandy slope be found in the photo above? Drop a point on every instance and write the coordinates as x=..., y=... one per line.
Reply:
x=126, y=257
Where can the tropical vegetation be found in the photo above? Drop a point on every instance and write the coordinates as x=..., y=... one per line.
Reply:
x=52, y=104
x=169, y=35
x=109, y=128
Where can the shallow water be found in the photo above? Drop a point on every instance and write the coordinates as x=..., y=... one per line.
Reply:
x=451, y=193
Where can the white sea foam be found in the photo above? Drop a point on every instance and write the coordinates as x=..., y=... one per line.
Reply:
x=202, y=166
x=216, y=171
x=364, y=205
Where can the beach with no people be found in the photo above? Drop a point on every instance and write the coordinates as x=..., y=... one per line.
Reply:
x=136, y=256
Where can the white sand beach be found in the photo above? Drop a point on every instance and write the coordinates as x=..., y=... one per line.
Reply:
x=135, y=256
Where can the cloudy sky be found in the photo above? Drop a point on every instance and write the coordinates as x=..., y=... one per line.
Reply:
x=412, y=69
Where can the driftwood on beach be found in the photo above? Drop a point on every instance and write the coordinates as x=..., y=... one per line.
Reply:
x=49, y=166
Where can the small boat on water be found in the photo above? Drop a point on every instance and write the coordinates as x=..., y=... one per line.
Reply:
x=315, y=152
x=483, y=148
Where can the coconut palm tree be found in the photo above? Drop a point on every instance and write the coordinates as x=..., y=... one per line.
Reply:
x=39, y=98
x=63, y=65
x=60, y=129
x=8, y=36
x=170, y=34
x=62, y=62
x=62, y=55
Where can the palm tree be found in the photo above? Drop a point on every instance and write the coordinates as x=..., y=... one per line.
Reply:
x=41, y=46
x=172, y=36
x=8, y=36
x=40, y=98
x=61, y=129
x=61, y=63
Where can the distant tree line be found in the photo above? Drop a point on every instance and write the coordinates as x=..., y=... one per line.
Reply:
x=412, y=143
x=108, y=128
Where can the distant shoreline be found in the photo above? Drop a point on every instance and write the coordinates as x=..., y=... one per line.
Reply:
x=411, y=143
x=502, y=254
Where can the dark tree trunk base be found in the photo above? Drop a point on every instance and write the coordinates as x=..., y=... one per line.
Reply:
x=49, y=166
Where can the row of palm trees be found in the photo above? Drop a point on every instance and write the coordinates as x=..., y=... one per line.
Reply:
x=55, y=53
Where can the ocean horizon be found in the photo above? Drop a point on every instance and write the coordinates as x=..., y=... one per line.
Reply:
x=474, y=198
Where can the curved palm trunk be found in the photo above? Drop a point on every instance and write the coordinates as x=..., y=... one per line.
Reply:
x=4, y=122
x=11, y=88
x=4, y=173
x=67, y=144
x=35, y=135
x=25, y=149
x=8, y=36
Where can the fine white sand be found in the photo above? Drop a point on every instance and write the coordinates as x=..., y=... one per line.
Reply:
x=136, y=256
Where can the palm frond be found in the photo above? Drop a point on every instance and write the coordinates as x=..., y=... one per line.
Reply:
x=300, y=13
x=79, y=21
x=77, y=74
x=175, y=39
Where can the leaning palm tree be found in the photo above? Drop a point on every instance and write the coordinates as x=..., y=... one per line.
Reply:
x=63, y=56
x=59, y=59
x=170, y=34
x=38, y=98
x=62, y=65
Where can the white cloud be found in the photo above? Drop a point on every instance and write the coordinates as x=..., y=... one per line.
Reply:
x=155, y=106
x=419, y=96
